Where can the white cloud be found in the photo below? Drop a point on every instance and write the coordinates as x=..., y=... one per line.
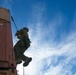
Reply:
x=46, y=53
x=75, y=74
x=41, y=51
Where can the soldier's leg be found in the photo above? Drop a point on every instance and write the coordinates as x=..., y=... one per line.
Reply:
x=17, y=57
x=17, y=53
x=26, y=59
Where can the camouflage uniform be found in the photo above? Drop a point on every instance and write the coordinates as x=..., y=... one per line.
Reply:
x=21, y=46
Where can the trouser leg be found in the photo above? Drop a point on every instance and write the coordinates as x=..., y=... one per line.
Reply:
x=17, y=53
x=26, y=60
x=17, y=57
x=23, y=57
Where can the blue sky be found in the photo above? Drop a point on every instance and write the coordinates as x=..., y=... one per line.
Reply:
x=52, y=25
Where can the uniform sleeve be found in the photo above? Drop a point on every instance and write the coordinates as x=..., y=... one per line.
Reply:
x=18, y=32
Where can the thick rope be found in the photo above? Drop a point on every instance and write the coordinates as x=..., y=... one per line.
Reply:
x=14, y=23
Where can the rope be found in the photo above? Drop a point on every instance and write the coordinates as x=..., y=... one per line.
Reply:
x=14, y=23
x=23, y=71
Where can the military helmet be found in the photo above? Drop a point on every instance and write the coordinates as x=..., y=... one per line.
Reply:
x=25, y=28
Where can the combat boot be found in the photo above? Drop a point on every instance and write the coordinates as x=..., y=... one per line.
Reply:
x=26, y=63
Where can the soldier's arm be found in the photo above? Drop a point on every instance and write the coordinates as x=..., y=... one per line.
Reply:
x=18, y=33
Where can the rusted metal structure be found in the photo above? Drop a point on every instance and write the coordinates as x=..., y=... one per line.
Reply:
x=7, y=59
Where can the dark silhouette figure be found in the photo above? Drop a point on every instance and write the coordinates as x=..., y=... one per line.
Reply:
x=21, y=46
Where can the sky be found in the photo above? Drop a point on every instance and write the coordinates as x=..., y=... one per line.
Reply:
x=52, y=31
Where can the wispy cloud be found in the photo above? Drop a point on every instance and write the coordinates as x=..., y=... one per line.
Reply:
x=50, y=57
